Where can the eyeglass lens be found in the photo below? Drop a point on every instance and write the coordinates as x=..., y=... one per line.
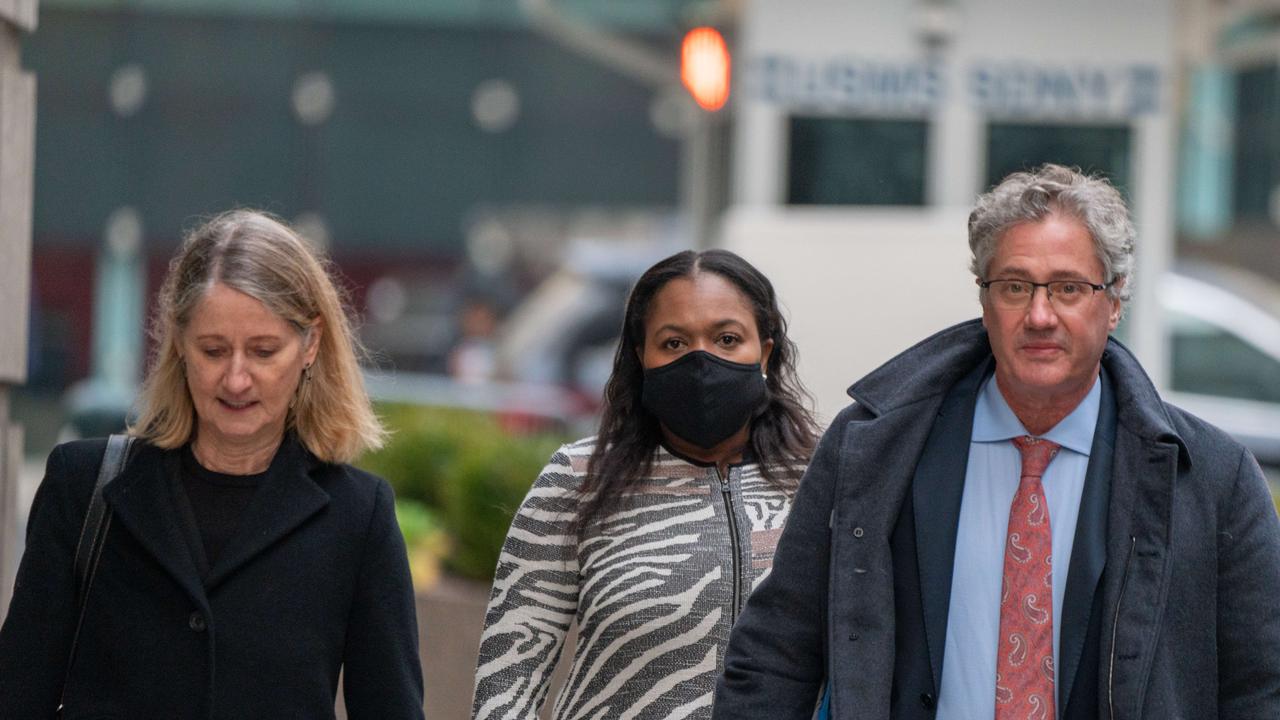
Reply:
x=1062, y=293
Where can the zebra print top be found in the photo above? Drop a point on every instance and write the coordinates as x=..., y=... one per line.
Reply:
x=654, y=589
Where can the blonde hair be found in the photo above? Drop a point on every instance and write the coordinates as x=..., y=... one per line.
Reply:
x=262, y=257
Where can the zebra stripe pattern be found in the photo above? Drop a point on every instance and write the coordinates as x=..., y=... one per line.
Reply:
x=651, y=588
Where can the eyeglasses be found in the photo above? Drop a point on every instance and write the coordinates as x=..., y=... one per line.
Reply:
x=1017, y=294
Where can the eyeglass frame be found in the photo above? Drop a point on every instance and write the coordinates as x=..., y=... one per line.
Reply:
x=1048, y=294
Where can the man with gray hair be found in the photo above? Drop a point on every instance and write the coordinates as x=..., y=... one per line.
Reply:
x=1008, y=522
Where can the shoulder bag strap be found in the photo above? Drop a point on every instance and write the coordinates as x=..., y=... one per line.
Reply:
x=97, y=521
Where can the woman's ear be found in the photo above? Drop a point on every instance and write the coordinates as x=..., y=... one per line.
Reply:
x=312, y=342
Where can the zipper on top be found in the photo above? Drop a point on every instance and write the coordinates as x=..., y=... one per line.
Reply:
x=727, y=495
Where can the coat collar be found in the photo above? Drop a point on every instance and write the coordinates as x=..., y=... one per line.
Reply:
x=139, y=497
x=142, y=499
x=286, y=499
x=927, y=369
x=934, y=365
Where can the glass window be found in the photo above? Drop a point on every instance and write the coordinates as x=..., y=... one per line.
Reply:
x=1102, y=149
x=1257, y=145
x=856, y=161
x=1211, y=361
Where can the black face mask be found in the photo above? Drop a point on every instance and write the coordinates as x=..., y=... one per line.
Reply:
x=702, y=397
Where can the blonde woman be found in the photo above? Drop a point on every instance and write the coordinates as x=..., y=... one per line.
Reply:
x=245, y=564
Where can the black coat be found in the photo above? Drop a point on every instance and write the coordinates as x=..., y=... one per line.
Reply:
x=315, y=580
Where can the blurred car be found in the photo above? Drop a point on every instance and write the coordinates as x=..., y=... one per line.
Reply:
x=1224, y=330
x=565, y=333
x=410, y=321
x=553, y=354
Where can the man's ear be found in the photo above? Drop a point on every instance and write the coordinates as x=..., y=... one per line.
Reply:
x=1117, y=307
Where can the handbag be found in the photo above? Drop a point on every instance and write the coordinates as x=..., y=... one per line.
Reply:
x=97, y=521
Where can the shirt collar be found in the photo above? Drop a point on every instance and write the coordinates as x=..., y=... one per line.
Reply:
x=994, y=421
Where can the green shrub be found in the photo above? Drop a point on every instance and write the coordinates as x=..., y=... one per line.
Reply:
x=467, y=470
x=491, y=479
x=417, y=521
x=423, y=447
x=425, y=539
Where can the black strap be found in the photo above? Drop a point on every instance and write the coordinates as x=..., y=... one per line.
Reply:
x=97, y=521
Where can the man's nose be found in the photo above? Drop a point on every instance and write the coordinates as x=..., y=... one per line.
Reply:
x=1040, y=310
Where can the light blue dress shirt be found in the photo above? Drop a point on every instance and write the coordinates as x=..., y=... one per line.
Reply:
x=968, y=688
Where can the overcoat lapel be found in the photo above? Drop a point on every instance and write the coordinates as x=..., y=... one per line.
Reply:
x=1089, y=549
x=937, y=491
x=286, y=499
x=886, y=448
x=141, y=501
x=1147, y=455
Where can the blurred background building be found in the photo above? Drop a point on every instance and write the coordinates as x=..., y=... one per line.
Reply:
x=864, y=139
x=863, y=133
x=490, y=176
x=442, y=152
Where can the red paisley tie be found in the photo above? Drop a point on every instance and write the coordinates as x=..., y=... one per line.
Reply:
x=1024, y=667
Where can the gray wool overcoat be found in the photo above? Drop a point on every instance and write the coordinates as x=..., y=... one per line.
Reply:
x=1173, y=594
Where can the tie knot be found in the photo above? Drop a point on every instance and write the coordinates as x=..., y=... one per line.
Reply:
x=1036, y=454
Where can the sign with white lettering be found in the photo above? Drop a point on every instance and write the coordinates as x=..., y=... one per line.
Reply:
x=1023, y=89
x=1006, y=89
x=846, y=83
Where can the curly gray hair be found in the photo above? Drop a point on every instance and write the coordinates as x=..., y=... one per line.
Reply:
x=1032, y=196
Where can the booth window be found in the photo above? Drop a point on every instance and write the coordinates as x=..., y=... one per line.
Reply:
x=856, y=161
x=1257, y=149
x=1095, y=149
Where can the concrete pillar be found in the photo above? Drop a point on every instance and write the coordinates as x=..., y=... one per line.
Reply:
x=17, y=151
x=702, y=175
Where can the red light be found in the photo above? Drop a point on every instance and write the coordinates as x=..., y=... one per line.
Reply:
x=704, y=67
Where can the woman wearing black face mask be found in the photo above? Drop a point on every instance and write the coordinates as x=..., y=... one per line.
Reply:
x=652, y=534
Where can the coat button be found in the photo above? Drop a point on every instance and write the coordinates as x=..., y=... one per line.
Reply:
x=926, y=699
x=858, y=532
x=196, y=622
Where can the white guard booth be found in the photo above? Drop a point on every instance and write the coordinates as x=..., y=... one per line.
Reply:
x=863, y=131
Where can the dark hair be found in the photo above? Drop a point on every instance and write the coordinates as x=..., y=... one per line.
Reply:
x=783, y=433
